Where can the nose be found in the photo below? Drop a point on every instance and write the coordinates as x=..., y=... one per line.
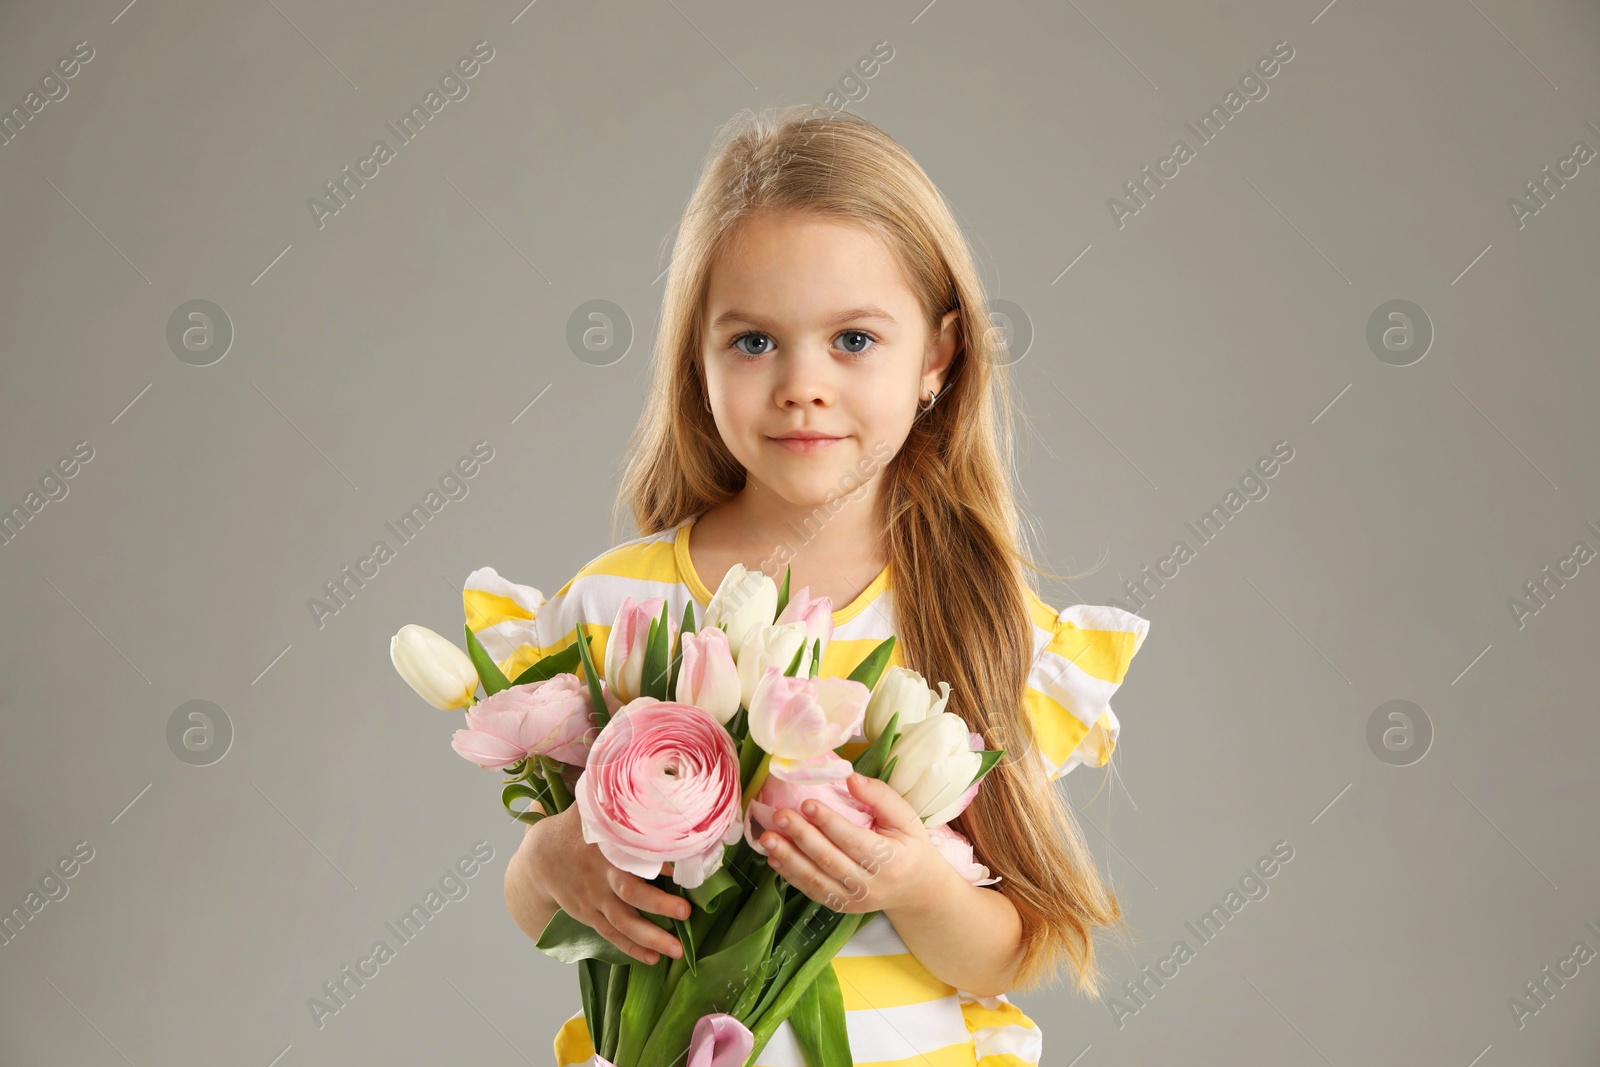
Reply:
x=805, y=376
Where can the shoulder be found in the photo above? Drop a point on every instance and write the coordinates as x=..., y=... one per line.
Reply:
x=1081, y=657
x=642, y=568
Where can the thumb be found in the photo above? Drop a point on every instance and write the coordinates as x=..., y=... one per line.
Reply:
x=889, y=809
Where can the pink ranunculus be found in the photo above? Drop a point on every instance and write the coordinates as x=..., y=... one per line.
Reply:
x=957, y=851
x=662, y=786
x=961, y=802
x=626, y=644
x=776, y=793
x=708, y=678
x=550, y=718
x=815, y=612
x=800, y=721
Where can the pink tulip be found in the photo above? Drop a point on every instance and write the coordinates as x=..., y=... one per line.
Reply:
x=662, y=786
x=720, y=1040
x=626, y=645
x=957, y=851
x=776, y=793
x=708, y=678
x=800, y=721
x=550, y=718
x=815, y=612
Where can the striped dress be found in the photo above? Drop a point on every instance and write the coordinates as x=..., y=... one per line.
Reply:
x=897, y=1013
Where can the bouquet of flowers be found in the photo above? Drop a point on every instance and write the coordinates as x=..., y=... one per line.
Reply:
x=679, y=750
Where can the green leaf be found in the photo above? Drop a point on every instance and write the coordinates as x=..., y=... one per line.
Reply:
x=768, y=1022
x=868, y=670
x=640, y=1007
x=489, y=672
x=793, y=669
x=816, y=656
x=685, y=628
x=653, y=679
x=525, y=789
x=783, y=592
x=593, y=978
x=616, y=1000
x=563, y=662
x=597, y=699
x=991, y=756
x=819, y=1024
x=568, y=940
x=869, y=761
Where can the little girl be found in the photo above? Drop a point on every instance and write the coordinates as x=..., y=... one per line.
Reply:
x=828, y=395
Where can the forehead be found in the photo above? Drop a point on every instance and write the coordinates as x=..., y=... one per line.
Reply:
x=802, y=268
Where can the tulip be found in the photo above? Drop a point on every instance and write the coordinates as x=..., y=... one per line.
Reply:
x=815, y=612
x=905, y=691
x=939, y=818
x=440, y=672
x=745, y=600
x=626, y=645
x=957, y=851
x=553, y=717
x=776, y=793
x=707, y=675
x=800, y=721
x=772, y=646
x=934, y=765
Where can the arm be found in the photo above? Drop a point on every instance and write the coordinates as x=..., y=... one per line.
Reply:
x=966, y=936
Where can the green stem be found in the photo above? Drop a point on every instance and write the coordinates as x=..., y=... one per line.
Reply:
x=784, y=1005
x=560, y=797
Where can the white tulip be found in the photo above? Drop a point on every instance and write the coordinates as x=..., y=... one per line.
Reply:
x=745, y=600
x=439, y=671
x=936, y=763
x=902, y=690
x=771, y=646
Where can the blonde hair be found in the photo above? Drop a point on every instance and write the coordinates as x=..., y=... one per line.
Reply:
x=952, y=516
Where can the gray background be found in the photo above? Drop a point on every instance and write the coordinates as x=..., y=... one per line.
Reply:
x=1229, y=314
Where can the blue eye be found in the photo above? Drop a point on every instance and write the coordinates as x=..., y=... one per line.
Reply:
x=861, y=337
x=734, y=344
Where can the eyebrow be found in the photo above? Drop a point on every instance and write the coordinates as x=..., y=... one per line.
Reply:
x=848, y=315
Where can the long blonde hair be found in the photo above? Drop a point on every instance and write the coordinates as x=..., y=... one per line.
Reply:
x=952, y=516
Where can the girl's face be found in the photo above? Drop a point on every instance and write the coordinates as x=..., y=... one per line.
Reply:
x=811, y=327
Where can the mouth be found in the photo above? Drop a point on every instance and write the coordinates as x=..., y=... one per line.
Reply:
x=805, y=443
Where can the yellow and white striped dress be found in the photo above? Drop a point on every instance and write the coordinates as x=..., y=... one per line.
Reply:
x=897, y=1013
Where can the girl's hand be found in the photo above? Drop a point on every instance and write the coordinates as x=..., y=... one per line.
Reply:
x=597, y=893
x=848, y=868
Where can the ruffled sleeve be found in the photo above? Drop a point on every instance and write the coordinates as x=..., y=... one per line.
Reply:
x=1079, y=665
x=503, y=616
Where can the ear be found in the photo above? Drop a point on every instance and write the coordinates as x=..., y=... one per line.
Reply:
x=942, y=350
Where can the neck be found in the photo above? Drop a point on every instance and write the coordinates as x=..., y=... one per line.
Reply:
x=836, y=530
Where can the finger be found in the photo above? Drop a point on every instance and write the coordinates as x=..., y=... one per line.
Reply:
x=800, y=871
x=641, y=894
x=867, y=848
x=604, y=927
x=639, y=929
x=889, y=809
x=818, y=847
